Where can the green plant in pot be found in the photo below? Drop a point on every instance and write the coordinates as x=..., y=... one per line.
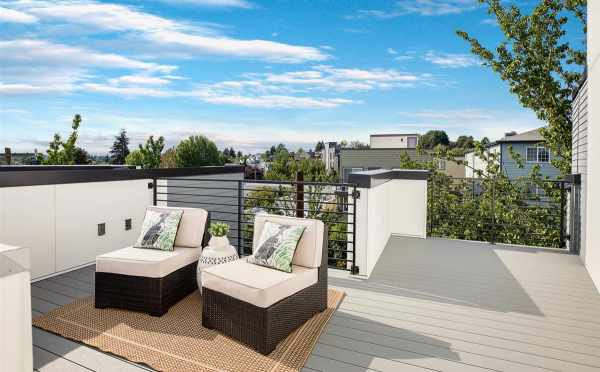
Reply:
x=218, y=232
x=218, y=251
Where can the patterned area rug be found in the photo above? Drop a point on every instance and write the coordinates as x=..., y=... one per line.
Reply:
x=177, y=341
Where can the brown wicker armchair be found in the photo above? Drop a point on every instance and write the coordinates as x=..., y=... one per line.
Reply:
x=152, y=281
x=261, y=306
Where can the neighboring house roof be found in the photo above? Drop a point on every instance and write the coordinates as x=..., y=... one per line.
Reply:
x=530, y=136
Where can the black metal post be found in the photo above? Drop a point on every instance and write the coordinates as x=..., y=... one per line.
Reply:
x=154, y=187
x=240, y=216
x=300, y=194
x=354, y=268
x=562, y=214
x=493, y=211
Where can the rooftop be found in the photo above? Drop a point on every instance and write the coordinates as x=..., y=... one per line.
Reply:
x=430, y=304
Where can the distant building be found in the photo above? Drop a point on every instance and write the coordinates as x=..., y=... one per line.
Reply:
x=330, y=156
x=384, y=153
x=529, y=145
x=394, y=141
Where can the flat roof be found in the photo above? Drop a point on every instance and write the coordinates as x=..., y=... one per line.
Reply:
x=395, y=135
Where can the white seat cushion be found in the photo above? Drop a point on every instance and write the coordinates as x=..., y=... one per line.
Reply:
x=191, y=228
x=257, y=285
x=149, y=263
x=310, y=247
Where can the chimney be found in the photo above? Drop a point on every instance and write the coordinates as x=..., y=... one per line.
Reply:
x=510, y=134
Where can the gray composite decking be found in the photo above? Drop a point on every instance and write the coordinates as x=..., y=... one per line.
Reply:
x=432, y=304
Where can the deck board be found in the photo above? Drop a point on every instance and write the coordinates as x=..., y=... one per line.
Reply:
x=430, y=305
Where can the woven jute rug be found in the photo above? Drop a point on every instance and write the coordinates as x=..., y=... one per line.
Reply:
x=177, y=341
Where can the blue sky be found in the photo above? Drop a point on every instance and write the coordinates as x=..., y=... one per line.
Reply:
x=247, y=74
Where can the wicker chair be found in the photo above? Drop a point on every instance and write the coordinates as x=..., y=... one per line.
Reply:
x=261, y=306
x=149, y=280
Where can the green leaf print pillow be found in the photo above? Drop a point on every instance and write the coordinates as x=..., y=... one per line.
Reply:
x=276, y=246
x=159, y=229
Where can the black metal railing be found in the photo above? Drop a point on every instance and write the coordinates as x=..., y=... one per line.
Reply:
x=519, y=211
x=236, y=202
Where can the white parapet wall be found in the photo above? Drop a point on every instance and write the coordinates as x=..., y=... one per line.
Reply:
x=59, y=221
x=15, y=310
x=391, y=202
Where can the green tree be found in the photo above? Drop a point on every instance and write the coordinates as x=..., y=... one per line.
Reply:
x=120, y=148
x=490, y=206
x=434, y=138
x=320, y=146
x=80, y=156
x=541, y=68
x=63, y=152
x=198, y=151
x=147, y=156
x=465, y=142
x=168, y=158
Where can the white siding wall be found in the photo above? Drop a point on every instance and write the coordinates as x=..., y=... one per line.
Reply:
x=580, y=154
x=592, y=251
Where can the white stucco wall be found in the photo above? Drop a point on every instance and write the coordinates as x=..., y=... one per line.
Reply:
x=396, y=207
x=591, y=255
x=59, y=223
x=390, y=142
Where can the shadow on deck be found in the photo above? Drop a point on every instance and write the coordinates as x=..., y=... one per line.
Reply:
x=430, y=304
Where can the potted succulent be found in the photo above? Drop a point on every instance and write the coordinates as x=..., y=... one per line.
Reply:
x=218, y=251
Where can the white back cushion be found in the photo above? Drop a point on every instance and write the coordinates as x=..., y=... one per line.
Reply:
x=191, y=228
x=309, y=252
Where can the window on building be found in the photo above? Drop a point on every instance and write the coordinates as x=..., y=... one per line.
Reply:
x=538, y=154
x=441, y=165
x=412, y=142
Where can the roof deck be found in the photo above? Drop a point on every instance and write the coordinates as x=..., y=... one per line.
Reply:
x=434, y=304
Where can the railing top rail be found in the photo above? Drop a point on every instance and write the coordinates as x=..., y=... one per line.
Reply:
x=267, y=182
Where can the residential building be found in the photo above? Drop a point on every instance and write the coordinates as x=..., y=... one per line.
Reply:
x=330, y=156
x=531, y=148
x=394, y=141
x=384, y=153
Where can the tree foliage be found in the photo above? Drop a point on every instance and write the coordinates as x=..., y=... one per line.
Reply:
x=285, y=168
x=65, y=152
x=147, y=156
x=434, y=138
x=491, y=207
x=197, y=151
x=120, y=148
x=541, y=68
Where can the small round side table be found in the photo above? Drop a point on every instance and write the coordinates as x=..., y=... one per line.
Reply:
x=218, y=251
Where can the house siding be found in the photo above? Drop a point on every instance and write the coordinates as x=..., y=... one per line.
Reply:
x=367, y=159
x=580, y=158
x=512, y=170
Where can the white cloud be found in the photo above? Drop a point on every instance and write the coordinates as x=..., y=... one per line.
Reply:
x=37, y=66
x=391, y=51
x=140, y=79
x=490, y=21
x=419, y=7
x=168, y=33
x=15, y=16
x=275, y=101
x=452, y=60
x=128, y=91
x=214, y=3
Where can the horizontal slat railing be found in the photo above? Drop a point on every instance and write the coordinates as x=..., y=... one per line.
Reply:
x=236, y=202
